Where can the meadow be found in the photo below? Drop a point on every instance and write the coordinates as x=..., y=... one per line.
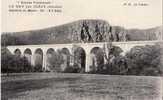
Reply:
x=69, y=86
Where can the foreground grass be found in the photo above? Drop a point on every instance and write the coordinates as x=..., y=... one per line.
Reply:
x=53, y=86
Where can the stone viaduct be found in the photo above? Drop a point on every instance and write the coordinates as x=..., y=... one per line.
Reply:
x=31, y=50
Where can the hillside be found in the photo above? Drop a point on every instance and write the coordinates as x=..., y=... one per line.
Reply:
x=146, y=34
x=78, y=31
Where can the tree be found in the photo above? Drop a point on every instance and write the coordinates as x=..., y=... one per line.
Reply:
x=56, y=60
x=12, y=63
x=111, y=51
x=144, y=60
x=85, y=35
x=119, y=66
x=116, y=64
x=99, y=37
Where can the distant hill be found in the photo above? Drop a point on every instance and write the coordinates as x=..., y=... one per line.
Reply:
x=71, y=32
x=145, y=34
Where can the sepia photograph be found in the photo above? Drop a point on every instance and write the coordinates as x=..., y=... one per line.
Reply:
x=81, y=50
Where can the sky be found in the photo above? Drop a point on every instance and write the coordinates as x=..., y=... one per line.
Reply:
x=113, y=11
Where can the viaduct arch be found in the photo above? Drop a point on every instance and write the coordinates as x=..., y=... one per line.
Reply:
x=43, y=52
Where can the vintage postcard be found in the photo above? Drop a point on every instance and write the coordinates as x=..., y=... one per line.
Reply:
x=81, y=49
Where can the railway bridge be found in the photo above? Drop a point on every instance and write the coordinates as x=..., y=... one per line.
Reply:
x=42, y=53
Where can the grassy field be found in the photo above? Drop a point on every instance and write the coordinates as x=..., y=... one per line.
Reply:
x=59, y=86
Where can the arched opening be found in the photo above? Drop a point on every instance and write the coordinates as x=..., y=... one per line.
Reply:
x=28, y=55
x=66, y=58
x=58, y=61
x=17, y=52
x=97, y=59
x=50, y=54
x=80, y=58
x=38, y=59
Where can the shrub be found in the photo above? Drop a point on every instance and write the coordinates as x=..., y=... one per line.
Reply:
x=38, y=68
x=72, y=69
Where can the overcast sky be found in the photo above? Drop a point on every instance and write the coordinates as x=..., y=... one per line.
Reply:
x=112, y=11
